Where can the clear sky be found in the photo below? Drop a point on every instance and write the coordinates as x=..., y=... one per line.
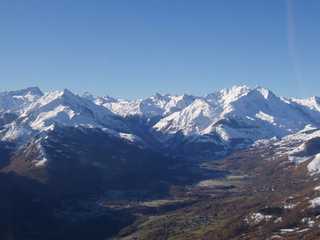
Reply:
x=134, y=48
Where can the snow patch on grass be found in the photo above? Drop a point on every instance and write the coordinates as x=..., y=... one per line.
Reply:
x=315, y=202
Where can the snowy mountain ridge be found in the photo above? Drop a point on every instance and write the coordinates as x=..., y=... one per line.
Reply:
x=158, y=105
x=62, y=108
x=255, y=112
x=239, y=113
x=18, y=100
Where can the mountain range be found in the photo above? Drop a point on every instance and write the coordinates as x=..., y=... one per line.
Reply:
x=82, y=159
x=225, y=120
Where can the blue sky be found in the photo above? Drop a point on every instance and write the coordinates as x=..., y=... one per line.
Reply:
x=133, y=49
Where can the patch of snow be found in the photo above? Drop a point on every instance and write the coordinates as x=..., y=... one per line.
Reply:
x=41, y=163
x=278, y=220
x=315, y=202
x=207, y=183
x=275, y=237
x=314, y=165
x=130, y=137
x=289, y=206
x=256, y=218
x=298, y=150
x=264, y=116
x=308, y=221
x=261, y=142
x=298, y=160
x=288, y=230
x=308, y=128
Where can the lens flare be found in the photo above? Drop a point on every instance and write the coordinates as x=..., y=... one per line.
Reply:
x=292, y=48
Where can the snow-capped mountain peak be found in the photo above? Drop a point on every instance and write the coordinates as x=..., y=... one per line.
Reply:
x=192, y=119
x=66, y=108
x=62, y=108
x=155, y=106
x=313, y=102
x=16, y=101
x=266, y=93
x=57, y=97
x=26, y=91
x=234, y=93
x=241, y=112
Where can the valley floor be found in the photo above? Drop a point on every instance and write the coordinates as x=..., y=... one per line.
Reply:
x=259, y=199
